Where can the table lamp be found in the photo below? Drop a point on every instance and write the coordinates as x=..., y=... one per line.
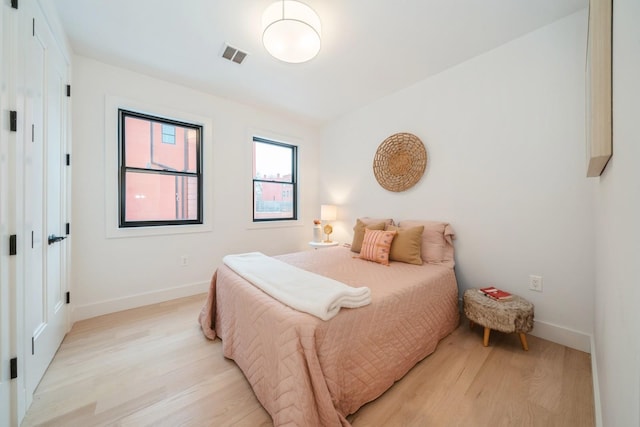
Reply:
x=328, y=213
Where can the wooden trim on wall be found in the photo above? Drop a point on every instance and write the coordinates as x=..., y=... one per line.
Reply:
x=598, y=86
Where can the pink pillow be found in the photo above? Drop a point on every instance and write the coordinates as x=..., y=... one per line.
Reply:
x=437, y=241
x=377, y=245
x=371, y=223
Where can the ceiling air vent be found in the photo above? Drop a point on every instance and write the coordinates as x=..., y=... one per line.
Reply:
x=233, y=54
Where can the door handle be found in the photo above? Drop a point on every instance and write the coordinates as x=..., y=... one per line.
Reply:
x=53, y=238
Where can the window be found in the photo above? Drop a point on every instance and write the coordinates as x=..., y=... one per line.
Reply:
x=274, y=181
x=168, y=134
x=160, y=182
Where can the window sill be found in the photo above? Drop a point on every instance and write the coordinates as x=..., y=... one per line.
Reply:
x=274, y=224
x=161, y=230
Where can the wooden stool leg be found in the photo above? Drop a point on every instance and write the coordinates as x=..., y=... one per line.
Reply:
x=523, y=341
x=485, y=341
x=470, y=324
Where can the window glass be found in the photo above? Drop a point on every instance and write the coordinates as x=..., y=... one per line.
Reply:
x=152, y=197
x=273, y=162
x=145, y=147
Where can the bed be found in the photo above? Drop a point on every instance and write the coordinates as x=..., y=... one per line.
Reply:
x=306, y=371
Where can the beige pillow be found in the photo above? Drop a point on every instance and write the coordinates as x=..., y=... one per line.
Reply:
x=437, y=241
x=376, y=245
x=358, y=230
x=406, y=245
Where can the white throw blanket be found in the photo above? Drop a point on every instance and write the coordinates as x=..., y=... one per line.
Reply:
x=299, y=289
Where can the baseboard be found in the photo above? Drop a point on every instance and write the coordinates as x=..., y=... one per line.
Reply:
x=561, y=335
x=87, y=311
x=596, y=384
x=557, y=334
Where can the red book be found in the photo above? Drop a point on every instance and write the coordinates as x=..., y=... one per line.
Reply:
x=496, y=293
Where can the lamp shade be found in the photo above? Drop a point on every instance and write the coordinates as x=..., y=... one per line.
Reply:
x=328, y=212
x=291, y=31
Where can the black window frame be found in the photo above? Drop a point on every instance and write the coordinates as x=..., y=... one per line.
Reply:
x=123, y=169
x=293, y=182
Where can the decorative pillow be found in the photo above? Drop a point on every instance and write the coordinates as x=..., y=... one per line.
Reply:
x=437, y=241
x=371, y=224
x=406, y=245
x=377, y=245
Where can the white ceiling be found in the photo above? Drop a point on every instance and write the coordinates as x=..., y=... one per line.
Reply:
x=370, y=48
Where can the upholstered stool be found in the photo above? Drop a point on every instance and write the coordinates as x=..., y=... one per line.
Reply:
x=514, y=315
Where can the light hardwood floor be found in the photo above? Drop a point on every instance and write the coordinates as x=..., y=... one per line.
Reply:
x=152, y=366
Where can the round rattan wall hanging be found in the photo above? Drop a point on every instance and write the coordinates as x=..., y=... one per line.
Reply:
x=400, y=162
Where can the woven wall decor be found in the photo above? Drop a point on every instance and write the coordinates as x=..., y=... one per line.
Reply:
x=400, y=162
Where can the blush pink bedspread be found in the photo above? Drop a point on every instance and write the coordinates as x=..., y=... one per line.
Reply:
x=310, y=372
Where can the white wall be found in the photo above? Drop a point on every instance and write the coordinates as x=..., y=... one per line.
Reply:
x=617, y=315
x=110, y=274
x=505, y=138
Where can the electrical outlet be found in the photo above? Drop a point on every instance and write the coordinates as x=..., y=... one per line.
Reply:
x=535, y=283
x=184, y=260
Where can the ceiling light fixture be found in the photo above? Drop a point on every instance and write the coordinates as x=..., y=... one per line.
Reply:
x=291, y=31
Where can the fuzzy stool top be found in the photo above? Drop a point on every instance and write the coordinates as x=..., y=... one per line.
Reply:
x=514, y=315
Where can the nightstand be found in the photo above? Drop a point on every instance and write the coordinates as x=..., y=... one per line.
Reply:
x=320, y=245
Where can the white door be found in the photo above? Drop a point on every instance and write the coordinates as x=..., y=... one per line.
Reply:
x=45, y=201
x=5, y=327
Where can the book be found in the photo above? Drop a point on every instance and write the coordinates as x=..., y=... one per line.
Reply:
x=495, y=293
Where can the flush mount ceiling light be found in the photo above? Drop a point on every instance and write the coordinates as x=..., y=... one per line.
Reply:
x=291, y=31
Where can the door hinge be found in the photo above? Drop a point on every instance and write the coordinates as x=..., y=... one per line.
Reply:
x=33, y=27
x=13, y=363
x=68, y=297
x=33, y=346
x=14, y=4
x=13, y=121
x=13, y=244
x=69, y=90
x=68, y=229
x=33, y=132
x=68, y=159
